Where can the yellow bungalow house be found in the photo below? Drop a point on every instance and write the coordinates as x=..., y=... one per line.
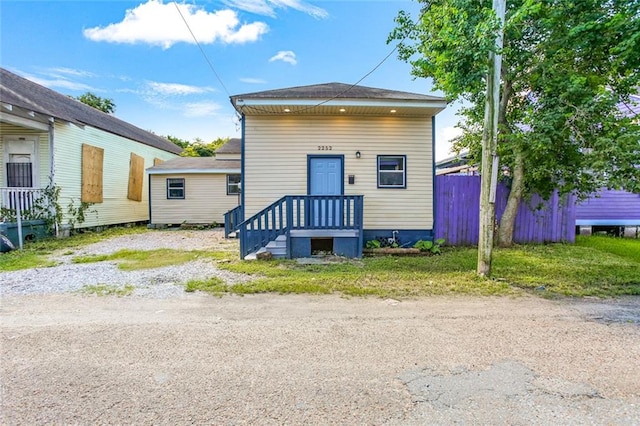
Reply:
x=327, y=167
x=195, y=190
x=90, y=164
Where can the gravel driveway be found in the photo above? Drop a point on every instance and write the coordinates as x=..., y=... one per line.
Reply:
x=189, y=358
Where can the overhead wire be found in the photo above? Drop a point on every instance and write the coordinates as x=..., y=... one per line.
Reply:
x=378, y=65
x=201, y=49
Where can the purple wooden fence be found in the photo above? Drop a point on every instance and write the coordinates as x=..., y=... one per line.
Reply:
x=457, y=213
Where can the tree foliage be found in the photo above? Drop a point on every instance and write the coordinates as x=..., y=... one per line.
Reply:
x=198, y=148
x=567, y=66
x=103, y=104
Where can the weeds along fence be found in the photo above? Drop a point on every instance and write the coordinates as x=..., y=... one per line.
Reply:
x=457, y=201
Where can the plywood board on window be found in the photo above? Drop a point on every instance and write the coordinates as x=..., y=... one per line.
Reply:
x=157, y=161
x=92, y=172
x=136, y=174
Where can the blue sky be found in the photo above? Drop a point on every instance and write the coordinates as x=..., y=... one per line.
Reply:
x=141, y=55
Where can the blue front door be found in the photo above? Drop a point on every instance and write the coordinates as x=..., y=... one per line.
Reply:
x=325, y=178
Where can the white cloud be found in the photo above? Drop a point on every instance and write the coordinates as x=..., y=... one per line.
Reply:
x=268, y=7
x=177, y=89
x=284, y=56
x=162, y=25
x=200, y=109
x=61, y=83
x=57, y=72
x=250, y=80
x=450, y=132
x=444, y=144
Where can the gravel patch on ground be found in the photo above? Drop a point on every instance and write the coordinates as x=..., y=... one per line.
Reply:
x=162, y=282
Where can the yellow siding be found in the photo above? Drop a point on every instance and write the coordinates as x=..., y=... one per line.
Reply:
x=206, y=200
x=276, y=150
x=115, y=208
x=7, y=129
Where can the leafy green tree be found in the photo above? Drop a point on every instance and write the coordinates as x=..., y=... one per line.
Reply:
x=198, y=148
x=180, y=142
x=103, y=104
x=566, y=67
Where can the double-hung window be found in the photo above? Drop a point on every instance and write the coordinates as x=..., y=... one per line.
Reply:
x=233, y=184
x=175, y=188
x=392, y=171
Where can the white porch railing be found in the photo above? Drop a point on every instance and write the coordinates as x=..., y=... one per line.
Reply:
x=23, y=200
x=18, y=204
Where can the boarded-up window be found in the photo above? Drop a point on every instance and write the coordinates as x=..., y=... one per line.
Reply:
x=136, y=174
x=157, y=161
x=92, y=167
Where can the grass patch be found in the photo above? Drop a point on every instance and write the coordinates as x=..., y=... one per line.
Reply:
x=35, y=254
x=451, y=273
x=588, y=268
x=24, y=259
x=107, y=290
x=131, y=260
x=624, y=247
x=568, y=270
x=213, y=285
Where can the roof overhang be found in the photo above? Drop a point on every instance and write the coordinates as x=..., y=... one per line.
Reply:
x=24, y=118
x=346, y=107
x=177, y=171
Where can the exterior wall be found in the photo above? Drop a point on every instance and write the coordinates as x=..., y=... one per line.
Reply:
x=609, y=207
x=115, y=208
x=42, y=152
x=206, y=200
x=276, y=150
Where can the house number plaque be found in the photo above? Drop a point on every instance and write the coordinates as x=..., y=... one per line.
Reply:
x=325, y=147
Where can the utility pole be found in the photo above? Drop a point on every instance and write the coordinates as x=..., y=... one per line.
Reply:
x=489, y=170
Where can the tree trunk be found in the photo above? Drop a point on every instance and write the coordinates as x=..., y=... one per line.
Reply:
x=508, y=220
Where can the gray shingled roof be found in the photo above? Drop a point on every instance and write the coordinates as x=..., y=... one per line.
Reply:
x=335, y=90
x=231, y=147
x=195, y=165
x=23, y=93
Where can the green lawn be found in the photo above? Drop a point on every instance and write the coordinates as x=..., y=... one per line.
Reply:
x=593, y=266
x=588, y=268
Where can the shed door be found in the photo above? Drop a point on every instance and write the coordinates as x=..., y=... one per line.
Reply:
x=325, y=178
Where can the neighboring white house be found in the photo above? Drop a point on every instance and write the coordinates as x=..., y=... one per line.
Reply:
x=96, y=161
x=196, y=190
x=341, y=140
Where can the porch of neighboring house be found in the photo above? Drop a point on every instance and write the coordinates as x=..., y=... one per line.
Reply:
x=23, y=214
x=301, y=225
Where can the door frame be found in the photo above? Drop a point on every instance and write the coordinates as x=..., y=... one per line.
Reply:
x=338, y=156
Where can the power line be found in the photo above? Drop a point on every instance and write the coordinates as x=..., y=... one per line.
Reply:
x=378, y=65
x=357, y=82
x=201, y=49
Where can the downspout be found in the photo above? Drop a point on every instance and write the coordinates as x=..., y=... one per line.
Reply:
x=149, y=189
x=52, y=169
x=243, y=186
x=433, y=176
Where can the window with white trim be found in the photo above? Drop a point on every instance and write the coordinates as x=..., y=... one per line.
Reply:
x=175, y=188
x=392, y=171
x=233, y=184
